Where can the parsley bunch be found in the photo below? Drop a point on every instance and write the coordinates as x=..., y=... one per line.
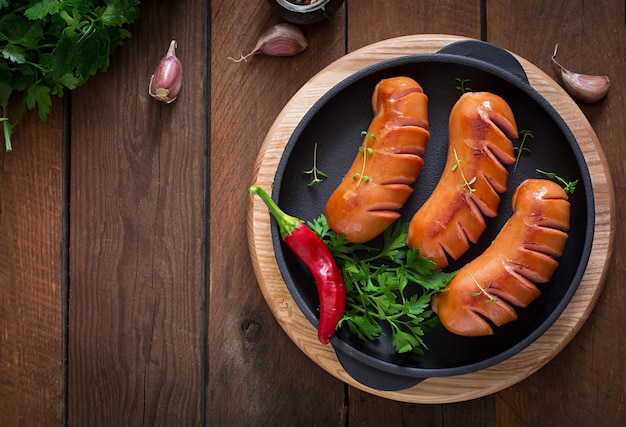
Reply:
x=392, y=284
x=49, y=46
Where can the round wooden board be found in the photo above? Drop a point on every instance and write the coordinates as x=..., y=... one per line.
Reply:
x=436, y=389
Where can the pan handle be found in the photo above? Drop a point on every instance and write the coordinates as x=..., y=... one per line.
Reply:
x=490, y=54
x=370, y=376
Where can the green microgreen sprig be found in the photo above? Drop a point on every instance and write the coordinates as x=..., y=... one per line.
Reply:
x=318, y=175
x=519, y=150
x=366, y=151
x=466, y=183
x=461, y=86
x=482, y=290
x=568, y=186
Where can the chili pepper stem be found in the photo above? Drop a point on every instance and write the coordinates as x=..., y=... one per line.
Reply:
x=287, y=224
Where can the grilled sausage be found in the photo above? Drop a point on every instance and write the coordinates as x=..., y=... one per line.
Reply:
x=525, y=251
x=379, y=181
x=480, y=126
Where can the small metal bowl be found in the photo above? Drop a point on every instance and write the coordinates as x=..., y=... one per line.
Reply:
x=306, y=14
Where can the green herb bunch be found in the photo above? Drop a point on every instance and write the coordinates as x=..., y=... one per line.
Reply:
x=392, y=284
x=49, y=46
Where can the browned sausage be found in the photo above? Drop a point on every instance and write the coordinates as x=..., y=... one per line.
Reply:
x=378, y=183
x=524, y=252
x=480, y=126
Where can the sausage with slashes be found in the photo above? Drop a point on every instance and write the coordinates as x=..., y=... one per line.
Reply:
x=482, y=292
x=389, y=160
x=480, y=127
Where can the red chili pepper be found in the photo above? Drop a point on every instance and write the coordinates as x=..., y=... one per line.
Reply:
x=314, y=253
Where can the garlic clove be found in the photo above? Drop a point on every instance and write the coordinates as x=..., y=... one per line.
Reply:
x=282, y=39
x=583, y=87
x=166, y=81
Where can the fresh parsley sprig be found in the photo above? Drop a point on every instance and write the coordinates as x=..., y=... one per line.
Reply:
x=47, y=47
x=389, y=285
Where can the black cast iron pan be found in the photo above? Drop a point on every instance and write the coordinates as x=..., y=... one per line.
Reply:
x=335, y=123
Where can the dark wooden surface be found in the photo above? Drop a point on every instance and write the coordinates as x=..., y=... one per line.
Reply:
x=127, y=296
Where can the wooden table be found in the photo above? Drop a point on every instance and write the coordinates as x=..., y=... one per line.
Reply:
x=127, y=293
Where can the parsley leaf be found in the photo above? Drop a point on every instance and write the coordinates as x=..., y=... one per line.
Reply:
x=49, y=46
x=43, y=8
x=389, y=285
x=394, y=243
x=39, y=95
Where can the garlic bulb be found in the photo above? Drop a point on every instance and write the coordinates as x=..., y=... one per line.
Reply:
x=584, y=87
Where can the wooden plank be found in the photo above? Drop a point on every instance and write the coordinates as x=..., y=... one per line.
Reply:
x=373, y=21
x=369, y=410
x=136, y=235
x=586, y=383
x=31, y=323
x=257, y=376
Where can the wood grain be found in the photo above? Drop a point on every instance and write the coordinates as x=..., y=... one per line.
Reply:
x=445, y=389
x=136, y=236
x=31, y=325
x=408, y=17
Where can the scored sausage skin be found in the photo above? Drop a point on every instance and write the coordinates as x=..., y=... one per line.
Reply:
x=378, y=183
x=480, y=129
x=522, y=254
